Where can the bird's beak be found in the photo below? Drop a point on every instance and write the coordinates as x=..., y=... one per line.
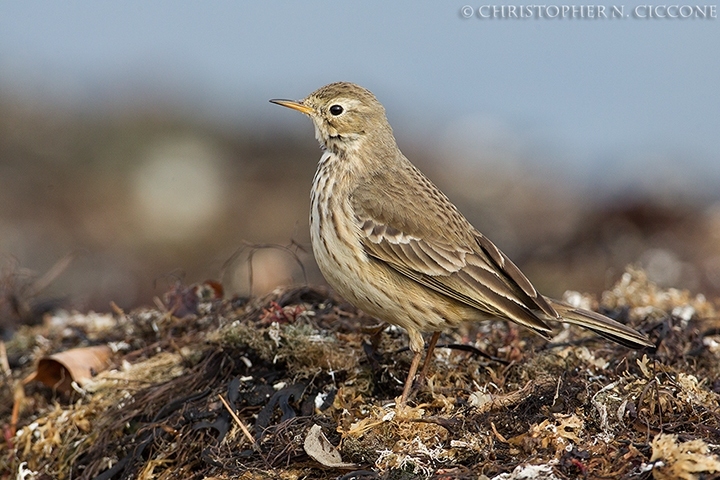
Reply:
x=294, y=105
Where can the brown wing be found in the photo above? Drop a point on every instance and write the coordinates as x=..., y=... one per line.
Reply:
x=425, y=238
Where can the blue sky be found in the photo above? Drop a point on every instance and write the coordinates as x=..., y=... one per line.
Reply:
x=597, y=97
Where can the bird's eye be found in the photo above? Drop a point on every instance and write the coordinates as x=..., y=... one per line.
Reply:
x=336, y=110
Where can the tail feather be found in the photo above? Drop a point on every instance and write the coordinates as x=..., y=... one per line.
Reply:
x=601, y=325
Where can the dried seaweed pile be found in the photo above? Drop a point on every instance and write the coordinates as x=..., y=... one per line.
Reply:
x=301, y=385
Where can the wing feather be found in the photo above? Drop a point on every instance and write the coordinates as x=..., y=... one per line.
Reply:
x=414, y=229
x=450, y=257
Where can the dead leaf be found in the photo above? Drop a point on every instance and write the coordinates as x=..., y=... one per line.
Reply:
x=78, y=365
x=319, y=448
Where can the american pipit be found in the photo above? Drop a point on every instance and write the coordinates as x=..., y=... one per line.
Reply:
x=390, y=242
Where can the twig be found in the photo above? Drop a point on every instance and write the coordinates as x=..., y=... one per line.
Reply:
x=4, y=364
x=240, y=423
x=253, y=248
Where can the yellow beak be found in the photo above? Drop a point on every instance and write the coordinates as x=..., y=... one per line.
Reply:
x=294, y=105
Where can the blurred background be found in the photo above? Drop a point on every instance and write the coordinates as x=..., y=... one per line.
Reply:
x=136, y=138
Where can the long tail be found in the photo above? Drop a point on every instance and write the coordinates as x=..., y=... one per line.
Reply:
x=600, y=324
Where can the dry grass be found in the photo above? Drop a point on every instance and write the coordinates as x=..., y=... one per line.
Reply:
x=577, y=407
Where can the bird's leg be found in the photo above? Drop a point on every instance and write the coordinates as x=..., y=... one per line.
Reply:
x=410, y=378
x=417, y=346
x=414, y=340
x=428, y=357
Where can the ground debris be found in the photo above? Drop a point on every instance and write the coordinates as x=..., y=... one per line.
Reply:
x=672, y=459
x=297, y=384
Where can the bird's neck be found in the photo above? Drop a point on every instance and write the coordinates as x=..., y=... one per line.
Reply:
x=361, y=152
x=342, y=146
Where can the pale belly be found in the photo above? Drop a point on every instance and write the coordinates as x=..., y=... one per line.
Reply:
x=368, y=284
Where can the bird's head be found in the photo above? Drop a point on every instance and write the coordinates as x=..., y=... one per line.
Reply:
x=345, y=115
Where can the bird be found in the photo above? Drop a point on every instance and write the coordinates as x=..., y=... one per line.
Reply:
x=387, y=239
